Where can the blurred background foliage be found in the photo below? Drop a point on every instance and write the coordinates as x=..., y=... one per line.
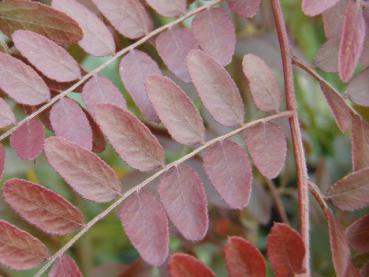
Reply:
x=105, y=250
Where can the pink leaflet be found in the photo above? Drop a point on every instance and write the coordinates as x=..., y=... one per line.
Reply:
x=215, y=32
x=326, y=56
x=183, y=196
x=133, y=141
x=340, y=109
x=316, y=7
x=217, y=90
x=358, y=89
x=83, y=170
x=28, y=139
x=333, y=20
x=21, y=82
x=2, y=160
x=175, y=110
x=173, y=46
x=48, y=57
x=229, y=170
x=70, y=122
x=129, y=17
x=97, y=39
x=134, y=68
x=7, y=116
x=100, y=90
x=170, y=8
x=19, y=249
x=360, y=143
x=243, y=258
x=357, y=234
x=65, y=267
x=352, y=41
x=181, y=265
x=42, y=207
x=267, y=145
x=246, y=8
x=286, y=251
x=146, y=225
x=263, y=84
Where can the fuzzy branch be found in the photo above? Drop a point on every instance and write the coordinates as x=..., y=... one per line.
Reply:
x=102, y=66
x=88, y=226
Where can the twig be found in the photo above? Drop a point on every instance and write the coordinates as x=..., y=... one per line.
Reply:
x=277, y=200
x=140, y=186
x=317, y=77
x=102, y=66
x=298, y=149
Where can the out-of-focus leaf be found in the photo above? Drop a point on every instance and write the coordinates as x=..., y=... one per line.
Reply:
x=316, y=7
x=185, y=265
x=358, y=89
x=55, y=25
x=246, y=8
x=170, y=8
x=6, y=115
x=360, y=143
x=358, y=234
x=65, y=267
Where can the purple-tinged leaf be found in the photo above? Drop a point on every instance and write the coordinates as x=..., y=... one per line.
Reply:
x=215, y=32
x=352, y=41
x=129, y=17
x=340, y=109
x=358, y=234
x=181, y=265
x=169, y=8
x=316, y=7
x=286, y=251
x=7, y=116
x=245, y=8
x=333, y=20
x=42, y=207
x=229, y=170
x=65, y=267
x=133, y=141
x=100, y=90
x=70, y=122
x=263, y=84
x=21, y=82
x=87, y=174
x=98, y=139
x=175, y=110
x=97, y=39
x=51, y=59
x=146, y=225
x=55, y=25
x=243, y=259
x=260, y=206
x=134, y=68
x=19, y=249
x=326, y=57
x=351, y=192
x=28, y=140
x=173, y=46
x=183, y=196
x=340, y=250
x=217, y=90
x=358, y=89
x=360, y=143
x=267, y=145
x=2, y=160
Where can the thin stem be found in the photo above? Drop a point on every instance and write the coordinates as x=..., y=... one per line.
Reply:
x=140, y=186
x=298, y=149
x=277, y=200
x=317, y=77
x=315, y=191
x=102, y=66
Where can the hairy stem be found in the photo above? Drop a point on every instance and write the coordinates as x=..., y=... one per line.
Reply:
x=102, y=66
x=140, y=186
x=298, y=149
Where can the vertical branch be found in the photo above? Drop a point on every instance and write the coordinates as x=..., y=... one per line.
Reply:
x=295, y=128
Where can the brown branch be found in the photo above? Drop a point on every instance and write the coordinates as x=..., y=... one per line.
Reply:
x=277, y=200
x=102, y=66
x=142, y=185
x=298, y=148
